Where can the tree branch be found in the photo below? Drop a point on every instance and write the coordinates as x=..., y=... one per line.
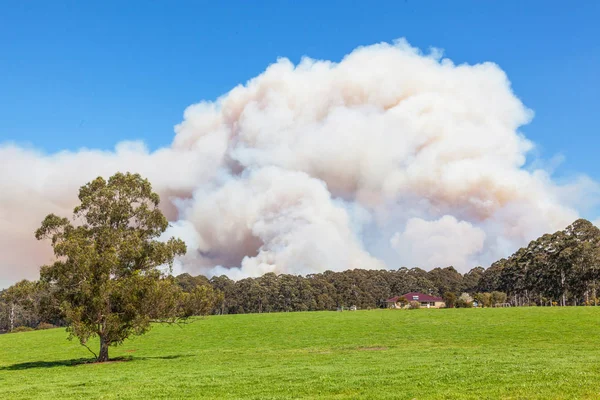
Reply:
x=90, y=350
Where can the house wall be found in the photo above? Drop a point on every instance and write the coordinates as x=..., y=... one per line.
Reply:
x=437, y=304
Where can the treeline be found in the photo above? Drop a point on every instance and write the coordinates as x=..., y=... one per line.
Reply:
x=562, y=268
x=29, y=304
x=557, y=269
x=331, y=290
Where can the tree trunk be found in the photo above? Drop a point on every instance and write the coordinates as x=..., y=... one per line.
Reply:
x=103, y=355
x=12, y=317
x=562, y=283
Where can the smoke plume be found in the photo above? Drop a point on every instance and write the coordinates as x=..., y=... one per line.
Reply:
x=388, y=158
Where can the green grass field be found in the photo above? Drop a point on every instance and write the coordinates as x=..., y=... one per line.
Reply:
x=518, y=353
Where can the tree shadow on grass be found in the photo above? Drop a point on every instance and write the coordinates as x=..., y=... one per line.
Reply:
x=47, y=364
x=82, y=361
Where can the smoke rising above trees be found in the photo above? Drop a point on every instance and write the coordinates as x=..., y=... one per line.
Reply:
x=381, y=160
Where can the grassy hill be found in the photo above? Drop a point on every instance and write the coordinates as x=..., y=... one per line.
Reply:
x=537, y=353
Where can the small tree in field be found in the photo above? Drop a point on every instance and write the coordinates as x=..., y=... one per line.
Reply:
x=107, y=270
x=449, y=299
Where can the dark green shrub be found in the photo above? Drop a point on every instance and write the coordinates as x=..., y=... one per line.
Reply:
x=460, y=303
x=22, y=329
x=45, y=325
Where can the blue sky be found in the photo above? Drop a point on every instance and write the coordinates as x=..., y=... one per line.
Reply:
x=90, y=74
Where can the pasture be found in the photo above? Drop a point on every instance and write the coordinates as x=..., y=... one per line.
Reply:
x=513, y=353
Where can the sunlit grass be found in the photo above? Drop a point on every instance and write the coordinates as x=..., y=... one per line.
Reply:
x=517, y=353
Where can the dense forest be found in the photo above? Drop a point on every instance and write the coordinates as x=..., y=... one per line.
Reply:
x=556, y=269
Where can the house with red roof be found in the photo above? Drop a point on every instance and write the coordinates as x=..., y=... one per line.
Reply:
x=426, y=301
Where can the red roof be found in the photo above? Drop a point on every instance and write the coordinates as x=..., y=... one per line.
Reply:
x=415, y=296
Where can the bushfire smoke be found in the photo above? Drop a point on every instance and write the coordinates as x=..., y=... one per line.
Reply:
x=388, y=158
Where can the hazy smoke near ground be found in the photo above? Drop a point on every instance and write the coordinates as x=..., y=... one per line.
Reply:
x=388, y=158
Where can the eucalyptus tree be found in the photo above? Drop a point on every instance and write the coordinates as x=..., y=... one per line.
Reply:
x=112, y=273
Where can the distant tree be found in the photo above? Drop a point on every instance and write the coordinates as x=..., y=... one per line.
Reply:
x=498, y=297
x=446, y=279
x=464, y=301
x=188, y=283
x=581, y=254
x=227, y=287
x=323, y=292
x=486, y=299
x=19, y=300
x=449, y=299
x=4, y=314
x=28, y=303
x=108, y=272
x=483, y=299
x=478, y=298
x=466, y=297
x=471, y=279
x=490, y=278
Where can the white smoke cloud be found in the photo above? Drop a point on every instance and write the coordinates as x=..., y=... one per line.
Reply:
x=271, y=220
x=322, y=166
x=439, y=243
